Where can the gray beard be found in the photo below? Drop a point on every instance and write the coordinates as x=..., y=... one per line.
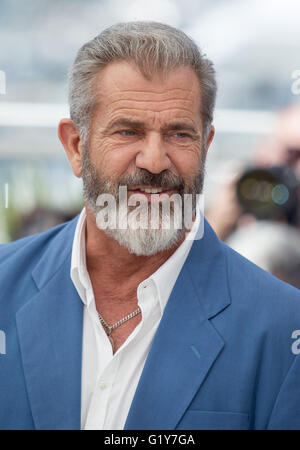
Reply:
x=140, y=241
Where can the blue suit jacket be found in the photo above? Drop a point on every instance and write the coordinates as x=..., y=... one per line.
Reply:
x=221, y=357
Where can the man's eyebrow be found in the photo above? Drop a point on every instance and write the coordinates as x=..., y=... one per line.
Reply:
x=127, y=123
x=177, y=126
x=137, y=124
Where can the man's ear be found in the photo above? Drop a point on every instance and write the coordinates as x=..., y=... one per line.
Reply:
x=210, y=137
x=70, y=139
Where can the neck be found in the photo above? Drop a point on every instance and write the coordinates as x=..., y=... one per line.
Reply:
x=106, y=257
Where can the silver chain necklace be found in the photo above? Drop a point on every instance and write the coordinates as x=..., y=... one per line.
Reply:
x=110, y=328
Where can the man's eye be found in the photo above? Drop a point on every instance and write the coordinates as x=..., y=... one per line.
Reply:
x=181, y=135
x=127, y=132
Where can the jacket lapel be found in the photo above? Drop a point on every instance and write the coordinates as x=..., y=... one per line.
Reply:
x=50, y=336
x=186, y=344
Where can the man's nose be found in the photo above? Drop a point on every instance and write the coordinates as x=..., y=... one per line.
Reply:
x=152, y=155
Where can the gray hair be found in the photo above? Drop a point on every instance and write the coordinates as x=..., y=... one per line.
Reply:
x=154, y=48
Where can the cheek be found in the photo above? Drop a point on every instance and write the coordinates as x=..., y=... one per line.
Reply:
x=187, y=161
x=113, y=158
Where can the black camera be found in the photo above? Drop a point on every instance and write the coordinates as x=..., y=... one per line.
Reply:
x=271, y=193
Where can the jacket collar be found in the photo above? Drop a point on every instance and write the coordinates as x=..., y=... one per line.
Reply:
x=56, y=253
x=50, y=336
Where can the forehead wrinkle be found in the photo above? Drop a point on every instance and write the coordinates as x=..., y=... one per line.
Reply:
x=125, y=111
x=162, y=92
x=124, y=77
x=185, y=101
x=187, y=94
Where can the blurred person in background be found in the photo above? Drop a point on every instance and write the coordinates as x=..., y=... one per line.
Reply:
x=283, y=148
x=273, y=246
x=277, y=156
x=142, y=328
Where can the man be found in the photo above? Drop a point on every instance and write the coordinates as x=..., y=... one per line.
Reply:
x=112, y=327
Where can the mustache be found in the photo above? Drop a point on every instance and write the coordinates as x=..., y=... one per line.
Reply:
x=164, y=179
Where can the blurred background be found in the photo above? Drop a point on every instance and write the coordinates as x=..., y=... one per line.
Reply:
x=253, y=166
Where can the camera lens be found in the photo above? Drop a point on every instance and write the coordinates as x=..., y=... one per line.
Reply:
x=268, y=193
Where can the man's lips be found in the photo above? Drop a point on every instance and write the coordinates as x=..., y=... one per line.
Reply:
x=151, y=192
x=150, y=189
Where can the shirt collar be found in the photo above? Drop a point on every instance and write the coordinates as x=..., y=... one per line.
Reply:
x=79, y=273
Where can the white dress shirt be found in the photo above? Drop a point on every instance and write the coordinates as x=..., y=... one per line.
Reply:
x=109, y=380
